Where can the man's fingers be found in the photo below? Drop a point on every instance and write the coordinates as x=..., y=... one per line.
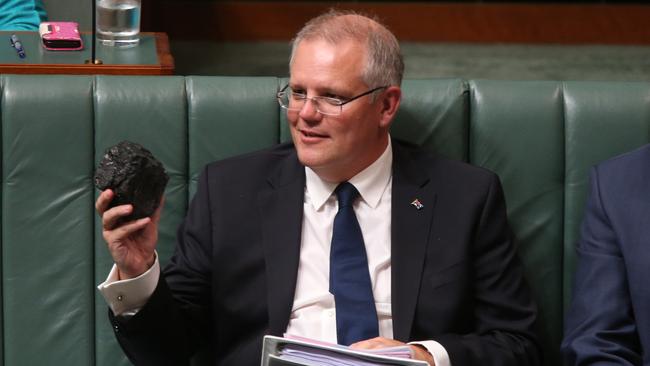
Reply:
x=420, y=352
x=103, y=201
x=374, y=343
x=111, y=217
x=129, y=228
x=156, y=215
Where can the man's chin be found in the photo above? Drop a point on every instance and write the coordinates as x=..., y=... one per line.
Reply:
x=309, y=161
x=312, y=158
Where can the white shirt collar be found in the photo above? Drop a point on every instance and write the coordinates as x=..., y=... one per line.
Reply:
x=370, y=182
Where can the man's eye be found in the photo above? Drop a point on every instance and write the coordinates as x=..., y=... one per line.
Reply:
x=332, y=101
x=297, y=95
x=334, y=96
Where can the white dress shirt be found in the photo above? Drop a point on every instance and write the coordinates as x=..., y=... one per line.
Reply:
x=313, y=314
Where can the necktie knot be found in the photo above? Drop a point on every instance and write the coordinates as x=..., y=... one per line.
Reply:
x=346, y=193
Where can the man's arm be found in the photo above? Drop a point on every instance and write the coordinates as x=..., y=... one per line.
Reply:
x=488, y=312
x=504, y=314
x=600, y=326
x=172, y=324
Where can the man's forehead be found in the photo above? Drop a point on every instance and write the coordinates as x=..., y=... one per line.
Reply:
x=332, y=66
x=321, y=40
x=322, y=85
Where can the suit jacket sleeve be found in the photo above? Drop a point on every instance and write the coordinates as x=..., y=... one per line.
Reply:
x=600, y=326
x=502, y=314
x=172, y=325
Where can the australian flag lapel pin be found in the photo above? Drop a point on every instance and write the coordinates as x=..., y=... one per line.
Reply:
x=417, y=204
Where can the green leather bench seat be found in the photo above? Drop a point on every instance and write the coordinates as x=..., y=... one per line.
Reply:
x=540, y=137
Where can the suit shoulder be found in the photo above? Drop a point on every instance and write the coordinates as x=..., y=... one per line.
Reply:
x=624, y=175
x=445, y=168
x=253, y=170
x=627, y=162
x=466, y=169
x=265, y=158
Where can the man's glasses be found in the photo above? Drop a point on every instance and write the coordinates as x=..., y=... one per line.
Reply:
x=294, y=101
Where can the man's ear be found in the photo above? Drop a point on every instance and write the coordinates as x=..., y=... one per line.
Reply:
x=389, y=100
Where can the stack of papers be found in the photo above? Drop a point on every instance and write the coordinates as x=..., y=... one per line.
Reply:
x=290, y=351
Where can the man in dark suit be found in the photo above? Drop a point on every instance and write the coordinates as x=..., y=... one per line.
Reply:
x=253, y=254
x=609, y=319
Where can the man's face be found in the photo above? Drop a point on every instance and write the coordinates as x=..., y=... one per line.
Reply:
x=336, y=147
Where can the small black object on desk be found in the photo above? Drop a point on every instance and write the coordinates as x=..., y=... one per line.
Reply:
x=15, y=43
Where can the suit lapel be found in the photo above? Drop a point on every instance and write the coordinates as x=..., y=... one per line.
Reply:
x=281, y=210
x=410, y=235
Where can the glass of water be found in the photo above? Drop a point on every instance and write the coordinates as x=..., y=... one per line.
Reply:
x=118, y=22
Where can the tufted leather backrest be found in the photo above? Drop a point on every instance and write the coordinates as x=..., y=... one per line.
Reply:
x=540, y=137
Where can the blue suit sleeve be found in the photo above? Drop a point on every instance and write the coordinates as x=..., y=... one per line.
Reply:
x=600, y=327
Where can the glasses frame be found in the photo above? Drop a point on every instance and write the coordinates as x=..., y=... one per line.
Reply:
x=337, y=102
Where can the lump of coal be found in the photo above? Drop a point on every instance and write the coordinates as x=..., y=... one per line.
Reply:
x=134, y=175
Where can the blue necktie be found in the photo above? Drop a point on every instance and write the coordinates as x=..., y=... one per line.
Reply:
x=356, y=316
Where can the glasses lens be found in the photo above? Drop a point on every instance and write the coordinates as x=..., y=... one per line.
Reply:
x=290, y=100
x=293, y=101
x=329, y=106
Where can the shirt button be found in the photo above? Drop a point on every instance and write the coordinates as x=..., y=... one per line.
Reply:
x=120, y=297
x=116, y=328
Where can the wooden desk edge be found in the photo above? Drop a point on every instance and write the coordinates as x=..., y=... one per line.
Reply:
x=83, y=69
x=165, y=58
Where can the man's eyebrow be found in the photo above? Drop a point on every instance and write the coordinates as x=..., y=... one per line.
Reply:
x=298, y=87
x=333, y=91
x=322, y=91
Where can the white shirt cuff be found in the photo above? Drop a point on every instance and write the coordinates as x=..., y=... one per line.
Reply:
x=126, y=297
x=439, y=353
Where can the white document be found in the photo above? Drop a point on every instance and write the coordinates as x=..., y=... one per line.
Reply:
x=296, y=351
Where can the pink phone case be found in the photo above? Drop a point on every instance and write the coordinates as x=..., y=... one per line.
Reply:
x=60, y=36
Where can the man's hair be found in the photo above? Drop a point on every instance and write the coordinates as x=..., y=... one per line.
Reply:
x=384, y=64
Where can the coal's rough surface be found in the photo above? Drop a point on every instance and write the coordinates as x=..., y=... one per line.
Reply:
x=134, y=175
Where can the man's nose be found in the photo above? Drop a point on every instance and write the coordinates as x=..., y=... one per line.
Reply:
x=309, y=111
